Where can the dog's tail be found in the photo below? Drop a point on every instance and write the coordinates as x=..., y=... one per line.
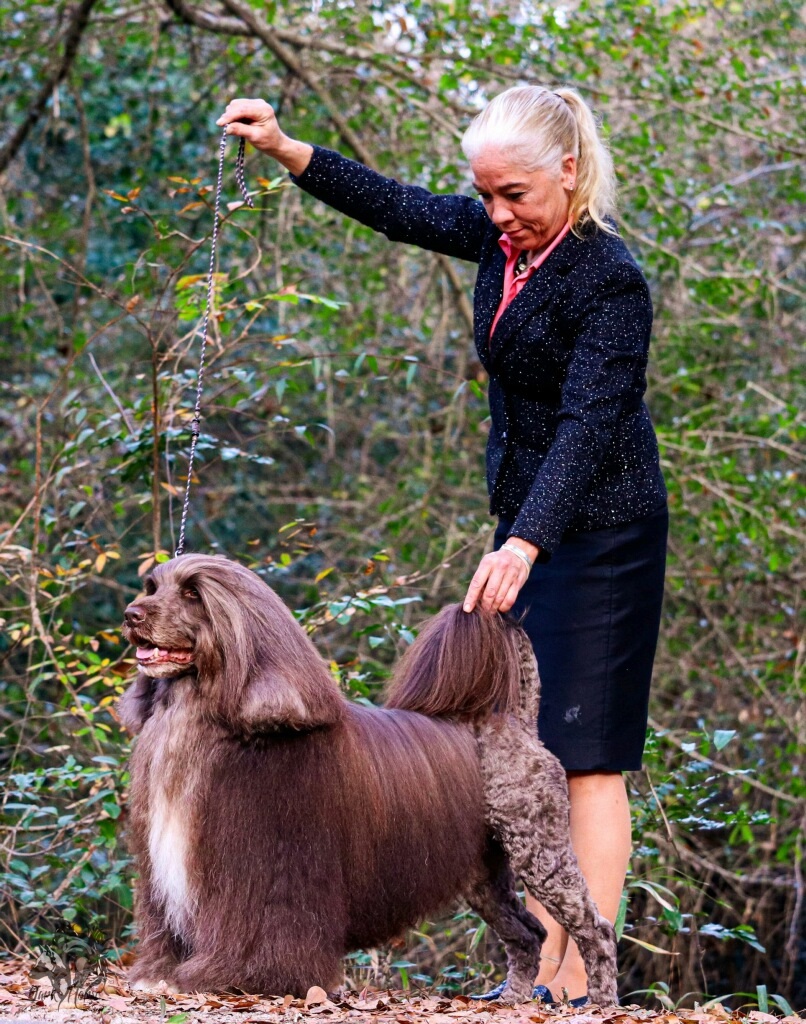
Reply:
x=468, y=665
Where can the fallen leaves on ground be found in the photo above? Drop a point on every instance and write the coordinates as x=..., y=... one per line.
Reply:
x=115, y=1004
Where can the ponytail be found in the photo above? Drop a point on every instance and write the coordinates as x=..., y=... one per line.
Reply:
x=539, y=127
x=594, y=197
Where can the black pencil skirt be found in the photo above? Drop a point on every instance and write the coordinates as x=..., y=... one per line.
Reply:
x=593, y=615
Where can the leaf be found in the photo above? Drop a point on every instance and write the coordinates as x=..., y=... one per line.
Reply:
x=117, y=1003
x=722, y=737
x=478, y=935
x=314, y=996
x=325, y=572
x=195, y=205
x=653, y=888
x=621, y=916
x=100, y=562
x=189, y=280
x=649, y=946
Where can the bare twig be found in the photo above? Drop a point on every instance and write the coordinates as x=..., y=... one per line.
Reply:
x=78, y=22
x=124, y=415
x=786, y=165
x=794, y=934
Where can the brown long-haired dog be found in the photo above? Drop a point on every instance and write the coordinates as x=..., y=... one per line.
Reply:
x=277, y=826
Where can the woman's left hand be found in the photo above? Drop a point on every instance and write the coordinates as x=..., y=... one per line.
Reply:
x=499, y=578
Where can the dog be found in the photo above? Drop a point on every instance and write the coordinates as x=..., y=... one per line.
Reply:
x=277, y=826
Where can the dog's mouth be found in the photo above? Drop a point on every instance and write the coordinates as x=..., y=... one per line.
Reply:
x=150, y=656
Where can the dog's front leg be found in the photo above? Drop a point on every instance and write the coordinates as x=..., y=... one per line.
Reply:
x=526, y=795
x=158, y=950
x=496, y=901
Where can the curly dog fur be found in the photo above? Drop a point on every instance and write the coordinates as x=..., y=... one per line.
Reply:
x=277, y=826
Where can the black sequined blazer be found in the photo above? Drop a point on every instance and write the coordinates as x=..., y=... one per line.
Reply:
x=571, y=444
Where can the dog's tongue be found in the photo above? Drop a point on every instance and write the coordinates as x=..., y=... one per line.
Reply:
x=158, y=654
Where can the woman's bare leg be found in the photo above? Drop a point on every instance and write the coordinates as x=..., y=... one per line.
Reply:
x=601, y=836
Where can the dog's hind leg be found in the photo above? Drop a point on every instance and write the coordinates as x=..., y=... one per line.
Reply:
x=526, y=794
x=555, y=879
x=496, y=901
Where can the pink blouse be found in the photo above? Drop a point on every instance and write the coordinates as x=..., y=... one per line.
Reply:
x=512, y=282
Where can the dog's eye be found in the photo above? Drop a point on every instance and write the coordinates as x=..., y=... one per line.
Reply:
x=191, y=593
x=149, y=586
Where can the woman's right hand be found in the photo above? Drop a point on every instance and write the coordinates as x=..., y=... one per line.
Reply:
x=255, y=120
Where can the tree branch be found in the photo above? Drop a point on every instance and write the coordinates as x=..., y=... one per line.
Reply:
x=249, y=22
x=206, y=20
x=267, y=35
x=784, y=143
x=75, y=29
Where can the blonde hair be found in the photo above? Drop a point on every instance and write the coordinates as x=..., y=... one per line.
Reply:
x=538, y=127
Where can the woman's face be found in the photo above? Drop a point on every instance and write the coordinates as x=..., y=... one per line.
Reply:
x=530, y=206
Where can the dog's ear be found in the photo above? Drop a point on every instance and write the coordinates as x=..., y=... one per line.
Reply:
x=137, y=704
x=258, y=671
x=275, y=700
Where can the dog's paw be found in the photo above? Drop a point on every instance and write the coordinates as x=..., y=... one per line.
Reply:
x=340, y=994
x=153, y=987
x=513, y=995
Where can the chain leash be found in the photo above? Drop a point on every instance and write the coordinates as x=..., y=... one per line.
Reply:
x=195, y=423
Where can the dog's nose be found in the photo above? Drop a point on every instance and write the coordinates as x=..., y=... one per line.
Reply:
x=134, y=615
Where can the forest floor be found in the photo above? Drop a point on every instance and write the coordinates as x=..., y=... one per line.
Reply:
x=24, y=999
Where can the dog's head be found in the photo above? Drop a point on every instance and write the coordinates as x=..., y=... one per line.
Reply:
x=255, y=668
x=166, y=623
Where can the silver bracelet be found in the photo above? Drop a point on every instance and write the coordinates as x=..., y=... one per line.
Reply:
x=527, y=561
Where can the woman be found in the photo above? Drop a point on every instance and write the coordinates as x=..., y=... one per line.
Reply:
x=562, y=323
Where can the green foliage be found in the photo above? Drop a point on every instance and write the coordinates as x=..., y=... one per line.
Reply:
x=341, y=453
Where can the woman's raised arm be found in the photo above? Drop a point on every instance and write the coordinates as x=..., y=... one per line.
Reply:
x=451, y=224
x=256, y=121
